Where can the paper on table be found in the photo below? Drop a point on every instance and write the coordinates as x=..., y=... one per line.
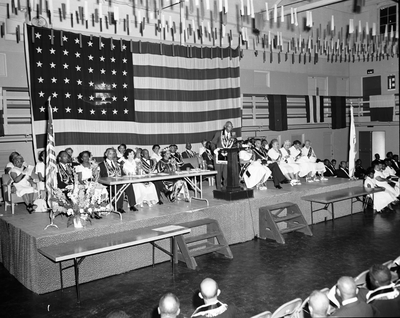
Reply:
x=169, y=228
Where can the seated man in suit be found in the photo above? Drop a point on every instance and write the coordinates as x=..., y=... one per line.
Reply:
x=189, y=153
x=111, y=168
x=352, y=306
x=168, y=307
x=359, y=171
x=330, y=171
x=383, y=297
x=343, y=171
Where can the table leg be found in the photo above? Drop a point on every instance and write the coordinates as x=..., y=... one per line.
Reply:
x=351, y=209
x=201, y=186
x=61, y=277
x=173, y=254
x=312, y=214
x=76, y=267
x=153, y=253
x=333, y=212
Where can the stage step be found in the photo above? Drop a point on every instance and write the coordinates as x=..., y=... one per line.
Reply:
x=269, y=218
x=211, y=241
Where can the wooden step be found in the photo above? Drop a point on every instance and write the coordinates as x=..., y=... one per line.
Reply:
x=279, y=206
x=293, y=228
x=208, y=249
x=197, y=223
x=196, y=238
x=278, y=219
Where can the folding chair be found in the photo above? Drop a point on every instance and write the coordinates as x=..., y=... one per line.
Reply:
x=289, y=309
x=265, y=314
x=9, y=195
x=361, y=279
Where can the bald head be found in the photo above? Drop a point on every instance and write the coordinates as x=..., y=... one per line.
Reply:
x=209, y=289
x=347, y=287
x=168, y=306
x=318, y=304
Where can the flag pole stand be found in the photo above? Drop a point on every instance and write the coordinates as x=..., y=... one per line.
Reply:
x=51, y=216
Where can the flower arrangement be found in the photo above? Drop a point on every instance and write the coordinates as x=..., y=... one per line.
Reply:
x=81, y=202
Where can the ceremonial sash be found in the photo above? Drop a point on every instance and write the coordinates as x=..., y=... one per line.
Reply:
x=211, y=310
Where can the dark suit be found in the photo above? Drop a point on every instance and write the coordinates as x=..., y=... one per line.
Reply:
x=129, y=190
x=354, y=309
x=342, y=173
x=187, y=154
x=276, y=172
x=329, y=171
x=383, y=306
x=222, y=169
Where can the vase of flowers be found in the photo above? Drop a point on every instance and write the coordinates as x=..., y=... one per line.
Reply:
x=81, y=203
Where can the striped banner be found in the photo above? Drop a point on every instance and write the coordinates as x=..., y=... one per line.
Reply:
x=50, y=156
x=106, y=92
x=315, y=109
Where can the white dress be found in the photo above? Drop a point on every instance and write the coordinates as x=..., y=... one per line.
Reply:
x=40, y=168
x=305, y=167
x=288, y=160
x=155, y=156
x=276, y=157
x=86, y=172
x=393, y=190
x=255, y=173
x=381, y=199
x=308, y=155
x=144, y=193
x=23, y=186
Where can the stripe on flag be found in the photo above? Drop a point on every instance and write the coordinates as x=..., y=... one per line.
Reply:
x=314, y=109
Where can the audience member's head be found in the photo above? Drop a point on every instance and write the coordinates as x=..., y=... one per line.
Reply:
x=388, y=162
x=109, y=154
x=389, y=155
x=343, y=164
x=168, y=307
x=69, y=151
x=145, y=154
x=396, y=157
x=188, y=146
x=128, y=152
x=42, y=156
x=117, y=314
x=333, y=161
x=358, y=163
x=307, y=143
x=275, y=143
x=156, y=148
x=84, y=156
x=347, y=287
x=209, y=291
x=18, y=161
x=63, y=157
x=377, y=156
x=327, y=162
x=287, y=144
x=12, y=155
x=173, y=148
x=370, y=172
x=379, y=275
x=297, y=144
x=257, y=143
x=204, y=142
x=318, y=304
x=121, y=148
x=228, y=126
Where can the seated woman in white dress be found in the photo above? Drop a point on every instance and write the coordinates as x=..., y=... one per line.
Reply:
x=144, y=192
x=292, y=154
x=23, y=183
x=383, y=199
x=10, y=164
x=86, y=170
x=291, y=172
x=384, y=182
x=308, y=155
x=253, y=172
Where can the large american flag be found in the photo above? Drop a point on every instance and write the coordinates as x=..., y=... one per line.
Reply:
x=51, y=167
x=109, y=91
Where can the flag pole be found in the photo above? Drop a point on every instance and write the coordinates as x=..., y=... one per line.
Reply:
x=352, y=142
x=50, y=164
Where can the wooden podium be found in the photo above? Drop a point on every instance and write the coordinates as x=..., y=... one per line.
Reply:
x=232, y=190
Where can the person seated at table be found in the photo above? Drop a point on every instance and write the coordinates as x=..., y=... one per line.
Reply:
x=264, y=144
x=384, y=182
x=276, y=156
x=155, y=152
x=23, y=183
x=175, y=187
x=40, y=170
x=382, y=200
x=189, y=153
x=388, y=171
x=110, y=168
x=86, y=170
x=252, y=171
x=72, y=159
x=203, y=147
x=65, y=173
x=208, y=157
x=261, y=154
x=144, y=192
x=150, y=166
x=121, y=150
x=330, y=171
x=293, y=153
x=308, y=155
x=359, y=171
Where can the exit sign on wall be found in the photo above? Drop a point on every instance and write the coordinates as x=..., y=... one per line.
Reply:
x=391, y=82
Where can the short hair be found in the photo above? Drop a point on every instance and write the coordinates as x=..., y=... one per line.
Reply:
x=273, y=141
x=154, y=146
x=41, y=155
x=124, y=145
x=389, y=153
x=296, y=142
x=80, y=156
x=60, y=154
x=334, y=160
x=107, y=151
x=379, y=275
x=127, y=152
x=16, y=158
x=69, y=148
x=170, y=310
x=12, y=155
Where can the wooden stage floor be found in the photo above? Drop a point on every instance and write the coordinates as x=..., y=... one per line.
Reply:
x=22, y=234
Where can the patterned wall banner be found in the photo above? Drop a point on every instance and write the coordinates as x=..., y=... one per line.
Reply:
x=105, y=92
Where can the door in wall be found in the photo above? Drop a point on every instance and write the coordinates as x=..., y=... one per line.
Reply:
x=371, y=86
x=365, y=148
